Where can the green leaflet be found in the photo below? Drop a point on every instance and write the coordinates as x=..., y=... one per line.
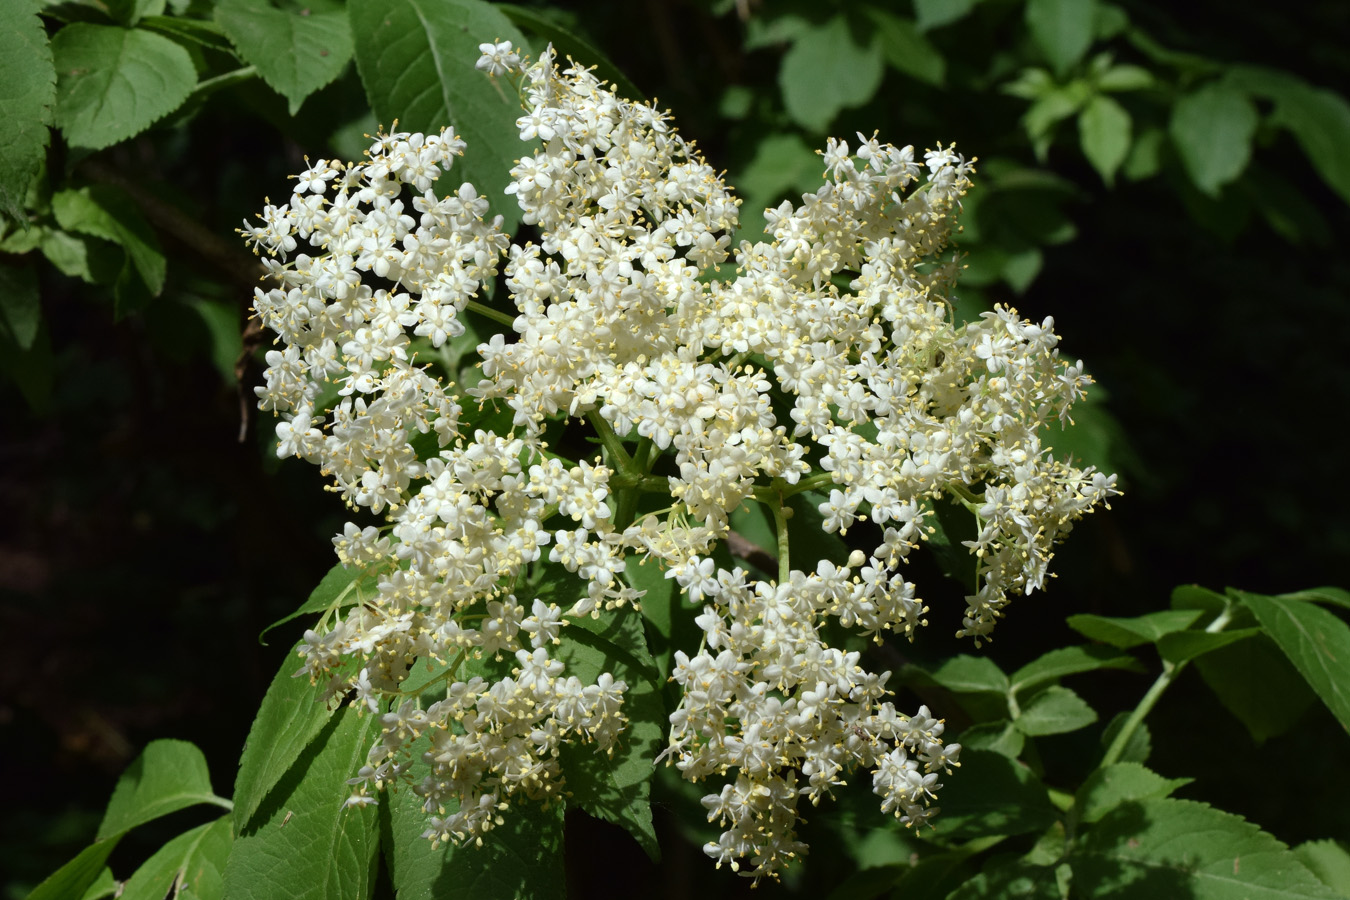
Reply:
x=992, y=795
x=828, y=70
x=1063, y=29
x=295, y=53
x=103, y=211
x=416, y=59
x=1316, y=642
x=1055, y=710
x=29, y=80
x=166, y=777
x=1105, y=789
x=1126, y=633
x=113, y=83
x=78, y=875
x=20, y=312
x=193, y=861
x=1212, y=129
x=1104, y=131
x=340, y=587
x=305, y=843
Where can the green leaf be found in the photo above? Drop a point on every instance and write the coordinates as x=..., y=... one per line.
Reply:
x=287, y=721
x=930, y=14
x=1107, y=788
x=1316, y=642
x=296, y=53
x=27, y=92
x=221, y=319
x=1179, y=848
x=1063, y=29
x=340, y=587
x=1137, y=748
x=417, y=58
x=1329, y=861
x=192, y=861
x=1010, y=878
x=104, y=886
x=952, y=525
x=1125, y=78
x=1181, y=646
x=1212, y=129
x=1069, y=661
x=826, y=71
x=113, y=83
x=1001, y=737
x=782, y=164
x=78, y=875
x=1126, y=633
x=166, y=777
x=567, y=43
x=306, y=843
x=202, y=32
x=521, y=858
x=905, y=48
x=1332, y=595
x=1193, y=596
x=1055, y=710
x=1104, y=131
x=129, y=12
x=616, y=787
x=970, y=674
x=103, y=211
x=20, y=310
x=1257, y=684
x=32, y=370
x=992, y=795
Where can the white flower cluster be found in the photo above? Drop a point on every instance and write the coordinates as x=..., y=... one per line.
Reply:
x=830, y=361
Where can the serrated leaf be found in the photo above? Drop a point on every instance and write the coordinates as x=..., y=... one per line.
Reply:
x=1063, y=29
x=1055, y=710
x=20, y=310
x=103, y=211
x=113, y=83
x=1212, y=129
x=339, y=588
x=166, y=777
x=1131, y=632
x=27, y=93
x=568, y=43
x=1316, y=642
x=616, y=787
x=992, y=795
x=1257, y=684
x=1107, y=788
x=296, y=53
x=201, y=32
x=905, y=48
x=1011, y=878
x=306, y=843
x=521, y=858
x=969, y=674
x=129, y=12
x=417, y=61
x=1329, y=861
x=78, y=875
x=289, y=718
x=826, y=71
x=1069, y=661
x=1180, y=848
x=1182, y=646
x=1001, y=737
x=192, y=861
x=1104, y=131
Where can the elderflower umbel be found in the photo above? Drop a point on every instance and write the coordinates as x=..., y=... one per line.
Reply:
x=830, y=361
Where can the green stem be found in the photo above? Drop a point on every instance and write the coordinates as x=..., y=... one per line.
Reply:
x=779, y=511
x=222, y=802
x=488, y=312
x=220, y=82
x=618, y=456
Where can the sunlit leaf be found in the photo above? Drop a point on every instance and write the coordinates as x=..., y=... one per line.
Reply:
x=826, y=71
x=166, y=777
x=296, y=52
x=190, y=862
x=1212, y=129
x=1107, y=788
x=1104, y=130
x=1063, y=29
x=27, y=93
x=1055, y=710
x=1316, y=642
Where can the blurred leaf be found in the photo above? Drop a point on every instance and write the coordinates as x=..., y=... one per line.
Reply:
x=1104, y=130
x=1257, y=684
x=1107, y=788
x=103, y=211
x=113, y=83
x=1195, y=597
x=1181, y=646
x=27, y=92
x=1069, y=661
x=1125, y=78
x=971, y=674
x=78, y=875
x=992, y=795
x=222, y=322
x=296, y=53
x=1063, y=29
x=1180, y=848
x=1020, y=269
x=953, y=524
x=905, y=48
x=129, y=12
x=1001, y=737
x=568, y=43
x=290, y=717
x=190, y=862
x=827, y=71
x=1329, y=861
x=1212, y=129
x=1111, y=21
x=32, y=370
x=1332, y=595
x=20, y=309
x=1316, y=642
x=417, y=61
x=1007, y=878
x=307, y=844
x=166, y=777
x=930, y=14
x=1126, y=633
x=1055, y=710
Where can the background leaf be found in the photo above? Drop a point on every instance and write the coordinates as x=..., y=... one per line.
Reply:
x=166, y=777
x=1069, y=661
x=968, y=674
x=568, y=43
x=827, y=70
x=1062, y=29
x=992, y=795
x=191, y=862
x=1212, y=129
x=1257, y=684
x=1055, y=710
x=1126, y=633
x=305, y=842
x=113, y=83
x=1316, y=642
x=416, y=59
x=27, y=92
x=20, y=310
x=103, y=211
x=905, y=48
x=1104, y=130
x=295, y=52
